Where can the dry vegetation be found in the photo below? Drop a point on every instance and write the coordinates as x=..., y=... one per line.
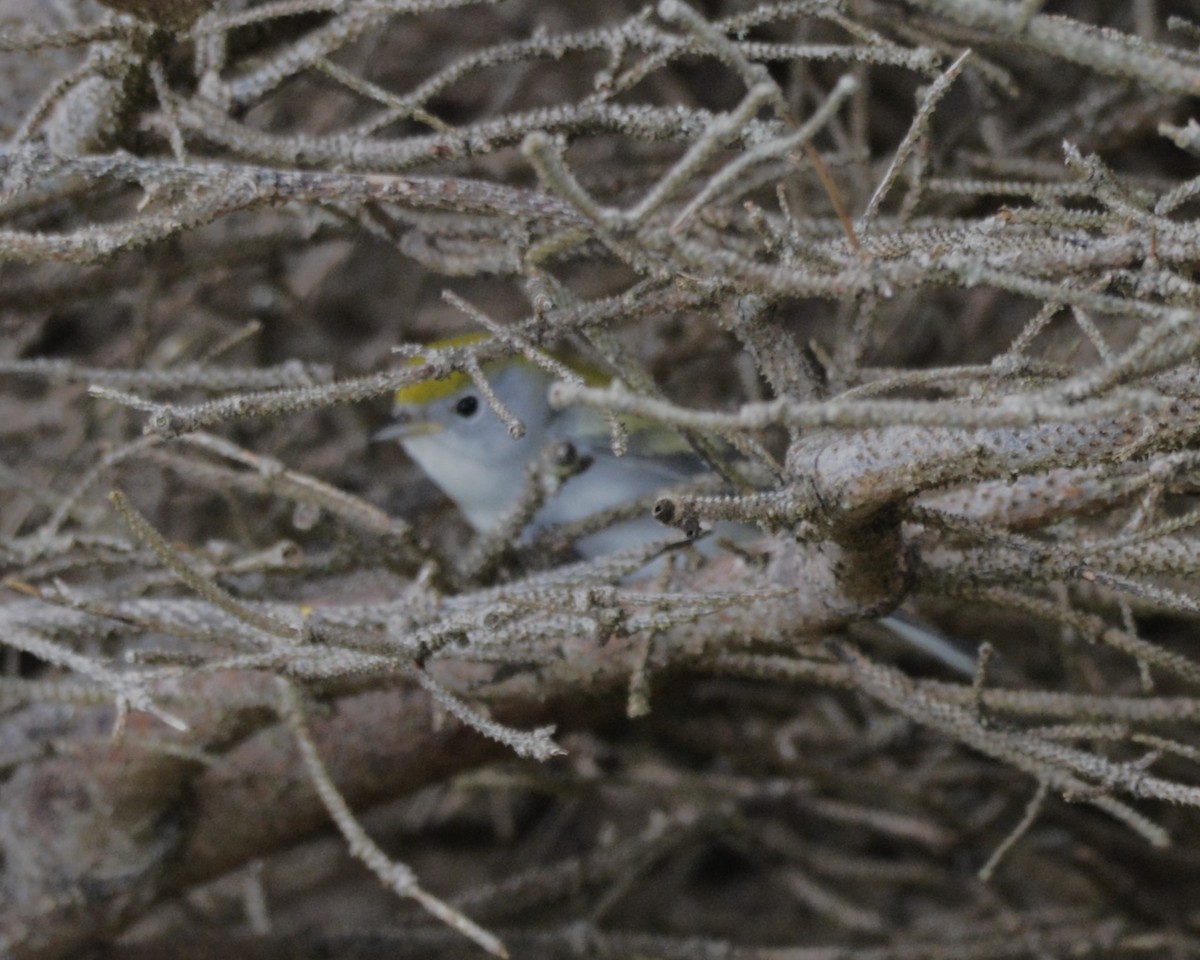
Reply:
x=928, y=268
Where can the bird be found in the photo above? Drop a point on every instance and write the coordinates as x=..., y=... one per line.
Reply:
x=448, y=428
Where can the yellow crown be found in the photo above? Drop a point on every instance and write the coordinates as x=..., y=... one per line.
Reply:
x=427, y=391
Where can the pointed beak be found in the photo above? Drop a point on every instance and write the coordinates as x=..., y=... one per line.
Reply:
x=393, y=431
x=406, y=424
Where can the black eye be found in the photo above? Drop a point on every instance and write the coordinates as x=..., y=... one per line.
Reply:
x=467, y=406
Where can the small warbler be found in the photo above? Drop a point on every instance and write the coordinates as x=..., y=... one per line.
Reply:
x=447, y=427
